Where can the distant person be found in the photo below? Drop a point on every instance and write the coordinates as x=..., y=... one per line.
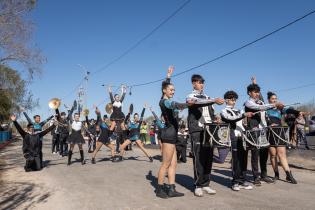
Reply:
x=300, y=126
x=143, y=132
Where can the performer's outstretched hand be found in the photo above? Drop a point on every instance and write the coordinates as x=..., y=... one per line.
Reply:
x=110, y=89
x=145, y=105
x=170, y=71
x=249, y=114
x=219, y=101
x=13, y=117
x=279, y=105
x=254, y=81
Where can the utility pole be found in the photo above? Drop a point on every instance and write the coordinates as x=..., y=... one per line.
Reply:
x=82, y=93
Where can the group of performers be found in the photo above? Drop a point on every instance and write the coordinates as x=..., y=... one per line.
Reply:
x=257, y=118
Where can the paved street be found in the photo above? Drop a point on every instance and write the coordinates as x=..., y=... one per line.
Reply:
x=130, y=184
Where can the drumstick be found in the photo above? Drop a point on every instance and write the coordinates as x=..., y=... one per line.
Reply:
x=294, y=104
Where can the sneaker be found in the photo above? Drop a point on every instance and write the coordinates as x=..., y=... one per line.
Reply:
x=267, y=179
x=236, y=187
x=93, y=161
x=209, y=190
x=198, y=192
x=151, y=159
x=246, y=186
x=257, y=182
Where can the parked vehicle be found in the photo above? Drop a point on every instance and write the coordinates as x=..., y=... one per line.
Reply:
x=312, y=124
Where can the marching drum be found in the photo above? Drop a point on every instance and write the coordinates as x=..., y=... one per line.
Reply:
x=256, y=138
x=217, y=134
x=278, y=135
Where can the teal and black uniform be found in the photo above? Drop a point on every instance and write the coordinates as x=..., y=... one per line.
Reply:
x=274, y=120
x=134, y=128
x=37, y=126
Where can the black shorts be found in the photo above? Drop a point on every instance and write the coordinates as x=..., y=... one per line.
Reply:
x=274, y=140
x=169, y=135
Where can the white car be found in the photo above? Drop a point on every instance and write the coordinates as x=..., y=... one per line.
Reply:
x=312, y=124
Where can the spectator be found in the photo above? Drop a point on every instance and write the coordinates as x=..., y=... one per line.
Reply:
x=143, y=132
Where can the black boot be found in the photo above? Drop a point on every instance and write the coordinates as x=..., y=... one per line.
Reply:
x=69, y=157
x=277, y=176
x=290, y=178
x=82, y=157
x=171, y=191
x=93, y=161
x=160, y=192
x=151, y=159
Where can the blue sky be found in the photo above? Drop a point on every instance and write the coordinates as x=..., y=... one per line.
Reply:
x=93, y=33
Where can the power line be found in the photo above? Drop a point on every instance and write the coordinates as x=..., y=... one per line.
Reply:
x=230, y=52
x=133, y=46
x=143, y=38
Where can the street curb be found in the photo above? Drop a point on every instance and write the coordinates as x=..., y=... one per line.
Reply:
x=6, y=143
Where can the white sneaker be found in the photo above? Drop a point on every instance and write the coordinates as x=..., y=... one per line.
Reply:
x=198, y=192
x=246, y=186
x=209, y=190
x=236, y=187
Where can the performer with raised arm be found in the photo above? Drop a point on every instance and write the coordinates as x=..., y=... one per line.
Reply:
x=63, y=129
x=76, y=137
x=117, y=116
x=234, y=117
x=101, y=137
x=160, y=125
x=38, y=126
x=169, y=109
x=134, y=135
x=277, y=147
x=198, y=114
x=32, y=150
x=256, y=123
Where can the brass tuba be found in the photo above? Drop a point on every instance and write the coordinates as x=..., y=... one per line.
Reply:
x=85, y=112
x=54, y=103
x=109, y=108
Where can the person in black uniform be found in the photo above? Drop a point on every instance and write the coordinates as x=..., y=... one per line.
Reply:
x=169, y=109
x=199, y=114
x=63, y=128
x=31, y=148
x=101, y=137
x=91, y=127
x=181, y=144
x=234, y=117
x=258, y=121
x=55, y=140
x=134, y=135
x=38, y=126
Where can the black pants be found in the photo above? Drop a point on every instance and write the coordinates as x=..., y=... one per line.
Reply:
x=121, y=137
x=63, y=146
x=254, y=162
x=263, y=158
x=33, y=164
x=239, y=159
x=92, y=147
x=181, y=152
x=55, y=143
x=202, y=160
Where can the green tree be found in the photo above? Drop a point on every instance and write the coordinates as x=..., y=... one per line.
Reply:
x=16, y=29
x=13, y=93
